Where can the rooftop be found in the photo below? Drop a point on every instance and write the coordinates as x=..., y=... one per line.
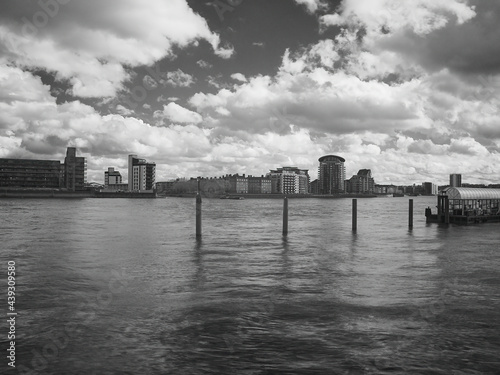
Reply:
x=331, y=158
x=472, y=193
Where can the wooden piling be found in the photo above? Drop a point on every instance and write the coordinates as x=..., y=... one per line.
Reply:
x=354, y=215
x=285, y=216
x=446, y=210
x=198, y=212
x=410, y=214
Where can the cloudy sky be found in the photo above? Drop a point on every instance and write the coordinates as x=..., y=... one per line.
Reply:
x=409, y=89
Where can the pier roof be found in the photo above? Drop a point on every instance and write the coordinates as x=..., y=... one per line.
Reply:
x=472, y=193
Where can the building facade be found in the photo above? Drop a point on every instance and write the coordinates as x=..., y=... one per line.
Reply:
x=165, y=187
x=313, y=187
x=141, y=174
x=259, y=185
x=27, y=173
x=116, y=187
x=112, y=177
x=75, y=170
x=386, y=189
x=331, y=174
x=429, y=188
x=289, y=180
x=237, y=184
x=35, y=174
x=362, y=183
x=455, y=180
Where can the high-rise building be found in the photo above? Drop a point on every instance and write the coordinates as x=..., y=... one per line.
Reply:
x=289, y=180
x=361, y=183
x=112, y=177
x=455, y=180
x=75, y=170
x=331, y=174
x=141, y=174
x=429, y=188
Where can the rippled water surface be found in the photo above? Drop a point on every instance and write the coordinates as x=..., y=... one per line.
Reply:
x=121, y=286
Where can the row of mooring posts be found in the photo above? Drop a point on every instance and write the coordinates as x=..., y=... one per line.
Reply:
x=355, y=214
x=285, y=214
x=198, y=214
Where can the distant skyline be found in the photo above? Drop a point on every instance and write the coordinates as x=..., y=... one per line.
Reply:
x=408, y=89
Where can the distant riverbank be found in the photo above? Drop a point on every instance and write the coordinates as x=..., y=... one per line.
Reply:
x=272, y=196
x=64, y=194
x=43, y=193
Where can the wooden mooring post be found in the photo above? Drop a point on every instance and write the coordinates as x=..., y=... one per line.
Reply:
x=285, y=216
x=410, y=214
x=198, y=212
x=354, y=215
x=446, y=210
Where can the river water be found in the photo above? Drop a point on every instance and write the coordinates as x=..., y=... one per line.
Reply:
x=121, y=286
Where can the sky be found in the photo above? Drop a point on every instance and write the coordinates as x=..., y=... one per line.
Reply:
x=408, y=89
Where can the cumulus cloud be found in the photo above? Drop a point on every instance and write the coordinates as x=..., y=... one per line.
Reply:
x=315, y=99
x=239, y=77
x=123, y=111
x=431, y=33
x=382, y=17
x=203, y=64
x=178, y=78
x=225, y=52
x=88, y=43
x=179, y=114
x=312, y=6
x=394, y=91
x=149, y=82
x=366, y=80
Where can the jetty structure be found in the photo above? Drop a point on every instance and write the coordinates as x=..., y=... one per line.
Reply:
x=463, y=205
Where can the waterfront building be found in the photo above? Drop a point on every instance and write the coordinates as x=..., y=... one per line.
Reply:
x=34, y=174
x=429, y=188
x=141, y=174
x=455, y=180
x=289, y=180
x=412, y=189
x=75, y=170
x=237, y=184
x=386, y=189
x=112, y=177
x=165, y=187
x=116, y=187
x=259, y=185
x=331, y=174
x=29, y=173
x=362, y=183
x=313, y=187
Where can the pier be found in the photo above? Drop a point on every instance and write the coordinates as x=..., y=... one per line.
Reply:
x=460, y=205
